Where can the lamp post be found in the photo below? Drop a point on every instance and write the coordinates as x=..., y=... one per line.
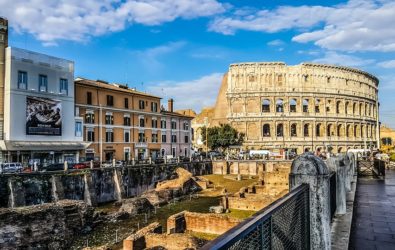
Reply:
x=206, y=124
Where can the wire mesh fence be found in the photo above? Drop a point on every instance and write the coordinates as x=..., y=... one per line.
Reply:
x=285, y=224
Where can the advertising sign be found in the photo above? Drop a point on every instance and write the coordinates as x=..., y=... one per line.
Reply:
x=43, y=116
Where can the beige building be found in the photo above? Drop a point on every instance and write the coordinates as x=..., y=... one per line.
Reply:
x=301, y=107
x=387, y=136
x=122, y=123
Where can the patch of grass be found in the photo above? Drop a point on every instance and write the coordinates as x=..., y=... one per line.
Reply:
x=240, y=214
x=232, y=186
x=204, y=236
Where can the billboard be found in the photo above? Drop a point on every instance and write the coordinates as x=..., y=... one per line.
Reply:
x=43, y=116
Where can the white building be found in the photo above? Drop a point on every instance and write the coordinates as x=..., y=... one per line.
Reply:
x=39, y=120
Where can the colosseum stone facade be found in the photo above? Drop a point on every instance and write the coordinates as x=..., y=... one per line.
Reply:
x=301, y=107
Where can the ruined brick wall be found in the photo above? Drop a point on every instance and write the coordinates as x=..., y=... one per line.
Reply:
x=209, y=223
x=253, y=202
x=47, y=226
x=171, y=241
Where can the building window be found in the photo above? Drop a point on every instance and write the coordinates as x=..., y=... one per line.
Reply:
x=141, y=104
x=306, y=130
x=126, y=136
x=90, y=118
x=164, y=138
x=163, y=124
x=154, y=107
x=154, y=123
x=142, y=122
x=126, y=121
x=154, y=138
x=109, y=119
x=280, y=129
x=89, y=98
x=279, y=106
x=110, y=100
x=294, y=130
x=22, y=80
x=266, y=106
x=266, y=130
x=386, y=141
x=337, y=107
x=109, y=135
x=42, y=83
x=141, y=137
x=186, y=139
x=305, y=105
x=90, y=135
x=126, y=103
x=186, y=126
x=346, y=108
x=280, y=80
x=173, y=138
x=78, y=129
x=64, y=86
x=173, y=125
x=292, y=106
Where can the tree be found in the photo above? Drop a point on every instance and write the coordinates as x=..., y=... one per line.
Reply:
x=221, y=137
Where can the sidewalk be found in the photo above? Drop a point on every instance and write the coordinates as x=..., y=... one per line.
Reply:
x=374, y=214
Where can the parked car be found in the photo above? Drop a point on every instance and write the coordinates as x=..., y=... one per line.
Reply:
x=11, y=167
x=78, y=166
x=56, y=167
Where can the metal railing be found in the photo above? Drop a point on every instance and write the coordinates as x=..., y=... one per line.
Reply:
x=379, y=168
x=285, y=224
x=332, y=195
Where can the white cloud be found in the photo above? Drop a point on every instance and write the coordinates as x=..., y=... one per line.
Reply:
x=276, y=42
x=359, y=25
x=150, y=58
x=194, y=94
x=332, y=57
x=76, y=20
x=387, y=64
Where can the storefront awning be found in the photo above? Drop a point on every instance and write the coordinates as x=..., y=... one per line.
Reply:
x=42, y=145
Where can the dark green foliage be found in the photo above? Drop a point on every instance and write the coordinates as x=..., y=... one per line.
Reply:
x=222, y=136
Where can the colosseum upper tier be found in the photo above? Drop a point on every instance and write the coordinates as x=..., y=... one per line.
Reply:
x=301, y=107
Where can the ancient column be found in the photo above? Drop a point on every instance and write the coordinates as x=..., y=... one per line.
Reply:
x=311, y=170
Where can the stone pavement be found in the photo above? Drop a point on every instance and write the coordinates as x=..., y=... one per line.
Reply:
x=374, y=214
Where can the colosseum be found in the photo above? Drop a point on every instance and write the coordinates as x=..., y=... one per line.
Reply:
x=297, y=108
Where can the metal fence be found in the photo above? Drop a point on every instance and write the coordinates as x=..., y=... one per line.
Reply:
x=285, y=224
x=332, y=183
x=374, y=168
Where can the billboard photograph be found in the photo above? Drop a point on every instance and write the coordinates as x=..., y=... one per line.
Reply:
x=43, y=116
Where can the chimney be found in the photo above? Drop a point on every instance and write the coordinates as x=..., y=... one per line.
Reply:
x=170, y=103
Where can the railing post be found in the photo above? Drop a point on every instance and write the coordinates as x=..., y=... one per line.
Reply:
x=311, y=170
x=340, y=170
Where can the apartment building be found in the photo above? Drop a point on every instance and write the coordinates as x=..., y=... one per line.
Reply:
x=122, y=123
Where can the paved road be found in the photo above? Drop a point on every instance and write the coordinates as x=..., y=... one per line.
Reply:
x=374, y=215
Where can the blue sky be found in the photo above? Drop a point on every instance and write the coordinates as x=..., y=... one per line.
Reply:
x=181, y=48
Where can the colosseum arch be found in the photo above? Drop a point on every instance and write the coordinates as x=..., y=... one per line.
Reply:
x=280, y=130
x=349, y=131
x=305, y=105
x=292, y=105
x=306, y=130
x=279, y=105
x=346, y=107
x=360, y=109
x=317, y=106
x=294, y=130
x=330, y=130
x=266, y=130
x=266, y=106
x=354, y=107
x=329, y=106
